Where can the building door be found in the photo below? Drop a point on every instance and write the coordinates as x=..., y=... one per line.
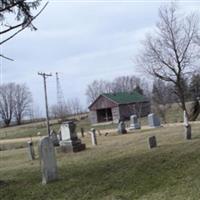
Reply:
x=104, y=115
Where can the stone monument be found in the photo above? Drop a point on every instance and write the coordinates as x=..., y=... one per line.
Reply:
x=70, y=141
x=134, y=123
x=93, y=137
x=54, y=138
x=152, y=142
x=122, y=127
x=153, y=120
x=31, y=153
x=47, y=160
x=187, y=127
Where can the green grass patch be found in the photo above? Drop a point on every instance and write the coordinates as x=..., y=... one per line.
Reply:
x=121, y=167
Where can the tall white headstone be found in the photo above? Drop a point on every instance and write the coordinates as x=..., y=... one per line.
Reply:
x=187, y=127
x=185, y=118
x=70, y=141
x=47, y=160
x=93, y=137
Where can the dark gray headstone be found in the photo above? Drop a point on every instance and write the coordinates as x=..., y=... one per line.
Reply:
x=54, y=138
x=122, y=128
x=82, y=132
x=31, y=153
x=153, y=120
x=152, y=142
x=47, y=160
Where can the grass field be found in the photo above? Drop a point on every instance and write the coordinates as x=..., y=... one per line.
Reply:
x=121, y=167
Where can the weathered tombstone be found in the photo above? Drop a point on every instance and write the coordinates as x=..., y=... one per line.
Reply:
x=153, y=120
x=31, y=153
x=47, y=160
x=54, y=138
x=122, y=128
x=82, y=132
x=93, y=137
x=70, y=141
x=152, y=142
x=187, y=127
x=134, y=123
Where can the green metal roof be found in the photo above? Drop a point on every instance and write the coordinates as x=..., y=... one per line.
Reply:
x=125, y=97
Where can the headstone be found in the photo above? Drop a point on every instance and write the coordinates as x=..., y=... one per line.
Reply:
x=31, y=153
x=152, y=142
x=122, y=128
x=185, y=118
x=93, y=137
x=70, y=141
x=187, y=127
x=82, y=132
x=153, y=120
x=134, y=123
x=54, y=138
x=47, y=160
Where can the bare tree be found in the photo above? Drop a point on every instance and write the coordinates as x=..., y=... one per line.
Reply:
x=59, y=111
x=15, y=16
x=96, y=88
x=22, y=102
x=172, y=52
x=125, y=84
x=119, y=84
x=7, y=102
x=74, y=106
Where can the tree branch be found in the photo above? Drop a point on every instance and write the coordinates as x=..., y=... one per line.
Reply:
x=28, y=24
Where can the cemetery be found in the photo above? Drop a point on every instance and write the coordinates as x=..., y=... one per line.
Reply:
x=127, y=124
x=134, y=164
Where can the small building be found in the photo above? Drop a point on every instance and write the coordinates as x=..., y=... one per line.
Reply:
x=118, y=106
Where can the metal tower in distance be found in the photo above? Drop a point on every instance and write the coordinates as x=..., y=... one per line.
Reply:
x=60, y=97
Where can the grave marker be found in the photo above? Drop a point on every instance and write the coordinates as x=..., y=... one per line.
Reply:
x=134, y=123
x=31, y=153
x=152, y=142
x=153, y=120
x=47, y=160
x=93, y=137
x=70, y=141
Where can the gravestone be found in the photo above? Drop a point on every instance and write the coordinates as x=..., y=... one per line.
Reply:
x=122, y=127
x=134, y=123
x=153, y=120
x=54, y=138
x=82, y=132
x=47, y=160
x=187, y=127
x=31, y=153
x=152, y=142
x=93, y=137
x=70, y=142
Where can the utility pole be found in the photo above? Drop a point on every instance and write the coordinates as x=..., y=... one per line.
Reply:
x=46, y=102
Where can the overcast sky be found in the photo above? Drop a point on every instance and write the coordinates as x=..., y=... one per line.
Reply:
x=83, y=41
